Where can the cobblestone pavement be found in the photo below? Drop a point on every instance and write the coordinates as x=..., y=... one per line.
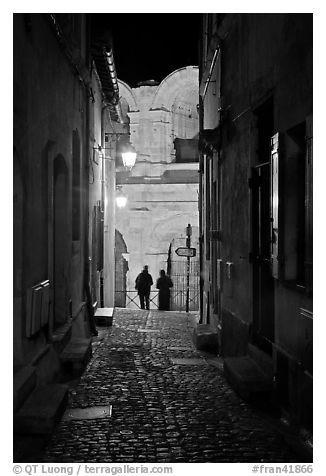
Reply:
x=169, y=403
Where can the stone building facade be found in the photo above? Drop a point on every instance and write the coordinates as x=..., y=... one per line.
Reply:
x=162, y=188
x=256, y=202
x=64, y=97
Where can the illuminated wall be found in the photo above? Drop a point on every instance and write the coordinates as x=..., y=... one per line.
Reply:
x=162, y=192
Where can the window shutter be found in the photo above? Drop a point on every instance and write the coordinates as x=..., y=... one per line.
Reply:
x=308, y=207
x=275, y=206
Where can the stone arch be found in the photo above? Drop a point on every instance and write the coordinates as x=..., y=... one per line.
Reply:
x=185, y=118
x=180, y=82
x=19, y=200
x=46, y=200
x=126, y=93
x=121, y=269
x=18, y=223
x=179, y=94
x=60, y=239
x=76, y=185
x=173, y=226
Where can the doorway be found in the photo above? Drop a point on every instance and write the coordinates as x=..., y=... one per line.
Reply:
x=263, y=282
x=121, y=269
x=60, y=239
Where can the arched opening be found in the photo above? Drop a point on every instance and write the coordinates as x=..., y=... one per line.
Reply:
x=18, y=236
x=75, y=186
x=97, y=254
x=121, y=268
x=60, y=240
x=185, y=125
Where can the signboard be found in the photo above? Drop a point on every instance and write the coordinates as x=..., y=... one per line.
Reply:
x=187, y=252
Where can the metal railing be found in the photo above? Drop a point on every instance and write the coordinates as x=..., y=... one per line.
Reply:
x=130, y=299
x=179, y=300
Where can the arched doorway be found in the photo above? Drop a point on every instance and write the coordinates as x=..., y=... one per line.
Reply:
x=121, y=268
x=18, y=237
x=60, y=241
x=76, y=186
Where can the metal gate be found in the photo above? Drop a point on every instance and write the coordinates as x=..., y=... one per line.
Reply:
x=178, y=274
x=178, y=293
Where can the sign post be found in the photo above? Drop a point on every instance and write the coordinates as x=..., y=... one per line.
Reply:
x=188, y=243
x=188, y=253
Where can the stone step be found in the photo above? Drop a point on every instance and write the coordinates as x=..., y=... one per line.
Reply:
x=24, y=384
x=76, y=355
x=104, y=316
x=205, y=338
x=41, y=410
x=263, y=360
x=245, y=376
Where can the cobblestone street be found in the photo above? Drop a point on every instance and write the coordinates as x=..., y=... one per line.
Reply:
x=170, y=403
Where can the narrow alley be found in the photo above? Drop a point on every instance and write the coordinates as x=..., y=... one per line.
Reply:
x=170, y=403
x=162, y=160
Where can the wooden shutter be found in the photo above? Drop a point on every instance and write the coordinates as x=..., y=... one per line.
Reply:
x=275, y=206
x=308, y=207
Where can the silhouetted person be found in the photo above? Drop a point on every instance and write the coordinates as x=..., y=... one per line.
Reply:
x=163, y=284
x=143, y=285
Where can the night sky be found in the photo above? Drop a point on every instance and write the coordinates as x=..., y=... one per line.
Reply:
x=151, y=45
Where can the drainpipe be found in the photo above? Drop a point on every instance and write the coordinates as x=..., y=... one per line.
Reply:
x=108, y=194
x=87, y=261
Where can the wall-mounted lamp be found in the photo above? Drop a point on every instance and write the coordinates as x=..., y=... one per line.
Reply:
x=128, y=153
x=98, y=154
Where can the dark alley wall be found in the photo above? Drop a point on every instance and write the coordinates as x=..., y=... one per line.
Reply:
x=257, y=181
x=49, y=124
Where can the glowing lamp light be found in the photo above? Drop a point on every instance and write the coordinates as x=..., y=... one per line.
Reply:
x=121, y=201
x=129, y=156
x=120, y=198
x=129, y=159
x=127, y=150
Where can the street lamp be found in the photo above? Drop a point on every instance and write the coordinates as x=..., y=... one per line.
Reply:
x=129, y=155
x=128, y=152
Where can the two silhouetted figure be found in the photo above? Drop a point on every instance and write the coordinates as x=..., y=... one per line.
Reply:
x=143, y=285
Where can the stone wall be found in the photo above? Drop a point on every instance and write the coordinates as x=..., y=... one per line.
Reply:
x=162, y=194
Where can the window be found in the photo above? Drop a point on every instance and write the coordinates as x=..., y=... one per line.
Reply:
x=296, y=168
x=186, y=150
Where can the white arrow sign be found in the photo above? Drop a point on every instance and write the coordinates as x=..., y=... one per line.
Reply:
x=187, y=252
